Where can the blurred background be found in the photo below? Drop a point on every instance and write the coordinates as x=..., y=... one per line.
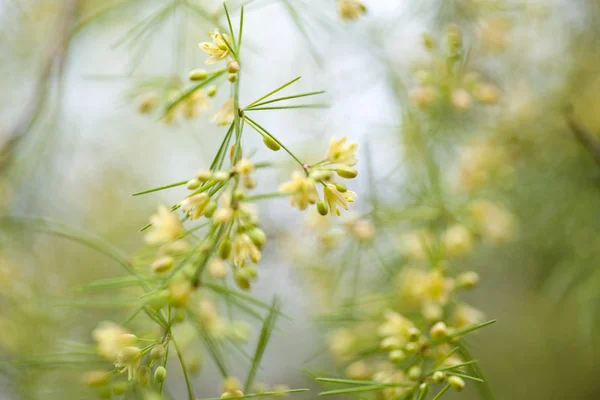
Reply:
x=76, y=141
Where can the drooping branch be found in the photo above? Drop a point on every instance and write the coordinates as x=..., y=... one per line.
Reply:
x=52, y=68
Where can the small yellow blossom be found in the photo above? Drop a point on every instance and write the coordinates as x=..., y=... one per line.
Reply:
x=494, y=223
x=334, y=198
x=351, y=9
x=195, y=103
x=302, y=190
x=361, y=229
x=457, y=240
x=396, y=326
x=423, y=96
x=218, y=49
x=129, y=358
x=340, y=152
x=165, y=227
x=461, y=99
x=465, y=315
x=342, y=342
x=435, y=288
x=111, y=338
x=244, y=249
x=416, y=245
x=358, y=370
x=245, y=168
x=225, y=114
x=487, y=93
x=194, y=205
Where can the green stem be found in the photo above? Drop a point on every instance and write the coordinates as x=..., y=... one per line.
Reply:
x=263, y=131
x=186, y=375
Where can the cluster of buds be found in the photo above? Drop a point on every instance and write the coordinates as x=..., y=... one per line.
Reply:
x=340, y=159
x=444, y=82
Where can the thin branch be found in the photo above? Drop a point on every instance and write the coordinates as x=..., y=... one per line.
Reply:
x=585, y=137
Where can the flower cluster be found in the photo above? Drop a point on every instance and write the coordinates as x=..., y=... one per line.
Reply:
x=444, y=82
x=340, y=159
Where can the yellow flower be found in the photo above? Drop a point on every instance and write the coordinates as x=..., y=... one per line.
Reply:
x=218, y=49
x=461, y=99
x=244, y=249
x=396, y=326
x=334, y=198
x=340, y=152
x=457, y=240
x=111, y=338
x=423, y=96
x=301, y=189
x=351, y=9
x=465, y=315
x=341, y=342
x=194, y=205
x=195, y=103
x=435, y=288
x=416, y=245
x=129, y=358
x=361, y=228
x=224, y=115
x=494, y=223
x=245, y=168
x=165, y=227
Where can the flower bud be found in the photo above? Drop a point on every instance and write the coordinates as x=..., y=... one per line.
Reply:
x=322, y=207
x=438, y=376
x=239, y=194
x=217, y=268
x=341, y=187
x=193, y=184
x=271, y=143
x=198, y=75
x=158, y=352
x=210, y=208
x=391, y=343
x=204, y=175
x=258, y=237
x=280, y=390
x=231, y=384
x=467, y=280
x=320, y=175
x=211, y=91
x=414, y=373
x=346, y=172
x=456, y=383
x=224, y=249
x=241, y=279
x=413, y=334
x=96, y=378
x=233, y=67
x=232, y=78
x=222, y=215
x=439, y=330
x=251, y=271
x=162, y=264
x=221, y=176
x=147, y=104
x=411, y=347
x=396, y=355
x=232, y=394
x=160, y=374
